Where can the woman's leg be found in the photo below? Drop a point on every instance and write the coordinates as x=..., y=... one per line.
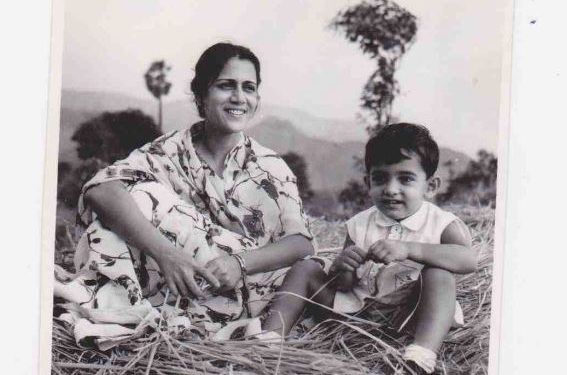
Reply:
x=436, y=308
x=307, y=279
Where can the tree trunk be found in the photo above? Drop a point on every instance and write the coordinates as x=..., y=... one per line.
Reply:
x=159, y=115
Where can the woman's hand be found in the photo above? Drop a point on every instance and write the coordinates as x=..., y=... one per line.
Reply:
x=226, y=270
x=348, y=260
x=179, y=272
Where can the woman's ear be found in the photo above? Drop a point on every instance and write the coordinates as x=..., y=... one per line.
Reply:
x=198, y=103
x=433, y=185
x=367, y=181
x=258, y=104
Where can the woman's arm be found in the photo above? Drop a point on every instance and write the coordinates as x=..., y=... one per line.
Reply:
x=276, y=255
x=269, y=257
x=118, y=211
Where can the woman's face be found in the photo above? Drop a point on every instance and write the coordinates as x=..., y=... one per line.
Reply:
x=232, y=98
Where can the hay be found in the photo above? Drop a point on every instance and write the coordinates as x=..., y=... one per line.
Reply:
x=355, y=346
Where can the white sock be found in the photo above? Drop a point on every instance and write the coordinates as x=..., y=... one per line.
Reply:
x=423, y=357
x=253, y=327
x=254, y=330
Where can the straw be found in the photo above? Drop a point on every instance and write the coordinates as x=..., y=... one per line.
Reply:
x=352, y=345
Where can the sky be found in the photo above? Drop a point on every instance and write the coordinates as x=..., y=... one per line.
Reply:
x=449, y=79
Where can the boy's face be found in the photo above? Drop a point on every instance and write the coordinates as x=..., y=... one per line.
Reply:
x=398, y=189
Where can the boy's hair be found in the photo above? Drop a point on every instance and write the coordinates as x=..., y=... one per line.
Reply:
x=391, y=144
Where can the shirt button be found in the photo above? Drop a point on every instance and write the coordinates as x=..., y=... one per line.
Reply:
x=396, y=232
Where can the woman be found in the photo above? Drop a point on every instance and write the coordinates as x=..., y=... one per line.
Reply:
x=206, y=213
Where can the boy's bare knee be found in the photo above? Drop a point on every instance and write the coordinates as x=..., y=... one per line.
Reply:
x=306, y=267
x=309, y=270
x=438, y=277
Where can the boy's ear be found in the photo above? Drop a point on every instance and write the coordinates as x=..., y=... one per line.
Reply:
x=433, y=185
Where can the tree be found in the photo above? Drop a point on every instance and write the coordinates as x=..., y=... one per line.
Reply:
x=299, y=168
x=69, y=185
x=157, y=84
x=477, y=184
x=111, y=136
x=384, y=31
x=354, y=197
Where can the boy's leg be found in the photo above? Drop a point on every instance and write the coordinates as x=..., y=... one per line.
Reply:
x=305, y=279
x=436, y=308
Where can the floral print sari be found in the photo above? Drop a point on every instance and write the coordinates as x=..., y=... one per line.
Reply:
x=117, y=288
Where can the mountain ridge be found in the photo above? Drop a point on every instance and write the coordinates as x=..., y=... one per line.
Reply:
x=330, y=163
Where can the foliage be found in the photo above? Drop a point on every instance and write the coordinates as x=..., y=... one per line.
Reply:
x=157, y=84
x=477, y=184
x=112, y=136
x=299, y=168
x=384, y=31
x=354, y=197
x=69, y=185
x=102, y=140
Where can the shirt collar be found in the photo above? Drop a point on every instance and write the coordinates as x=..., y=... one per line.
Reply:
x=413, y=222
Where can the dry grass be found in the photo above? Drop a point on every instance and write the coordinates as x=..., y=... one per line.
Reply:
x=332, y=347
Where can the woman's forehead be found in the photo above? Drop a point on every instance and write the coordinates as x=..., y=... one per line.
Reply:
x=239, y=69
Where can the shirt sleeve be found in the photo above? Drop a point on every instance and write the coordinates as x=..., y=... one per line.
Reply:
x=293, y=217
x=146, y=164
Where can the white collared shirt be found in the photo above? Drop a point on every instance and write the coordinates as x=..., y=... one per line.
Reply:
x=376, y=280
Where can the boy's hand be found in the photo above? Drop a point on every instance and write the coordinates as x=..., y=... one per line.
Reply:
x=387, y=251
x=349, y=259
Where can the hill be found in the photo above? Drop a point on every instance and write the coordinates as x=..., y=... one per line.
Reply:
x=330, y=163
x=179, y=113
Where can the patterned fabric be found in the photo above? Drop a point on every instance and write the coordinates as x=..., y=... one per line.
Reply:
x=390, y=284
x=255, y=202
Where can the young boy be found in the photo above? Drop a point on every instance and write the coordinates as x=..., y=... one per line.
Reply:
x=401, y=244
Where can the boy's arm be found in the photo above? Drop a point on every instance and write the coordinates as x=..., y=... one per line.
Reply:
x=344, y=279
x=453, y=254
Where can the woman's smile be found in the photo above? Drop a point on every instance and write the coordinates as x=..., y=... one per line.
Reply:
x=236, y=112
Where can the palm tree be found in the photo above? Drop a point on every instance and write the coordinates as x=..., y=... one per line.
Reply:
x=157, y=84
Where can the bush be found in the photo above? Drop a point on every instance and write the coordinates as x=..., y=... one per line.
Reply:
x=69, y=187
x=102, y=140
x=112, y=136
x=354, y=197
x=476, y=185
x=298, y=166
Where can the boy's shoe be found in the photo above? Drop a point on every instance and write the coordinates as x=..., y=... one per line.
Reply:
x=420, y=358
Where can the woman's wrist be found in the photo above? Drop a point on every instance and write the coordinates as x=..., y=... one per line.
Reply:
x=241, y=264
x=162, y=253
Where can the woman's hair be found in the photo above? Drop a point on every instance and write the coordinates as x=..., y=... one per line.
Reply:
x=393, y=143
x=211, y=63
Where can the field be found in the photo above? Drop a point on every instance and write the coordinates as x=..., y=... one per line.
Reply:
x=356, y=345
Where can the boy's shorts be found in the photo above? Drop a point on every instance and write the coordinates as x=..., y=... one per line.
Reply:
x=396, y=287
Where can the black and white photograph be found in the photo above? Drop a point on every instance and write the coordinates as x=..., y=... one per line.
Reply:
x=275, y=187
